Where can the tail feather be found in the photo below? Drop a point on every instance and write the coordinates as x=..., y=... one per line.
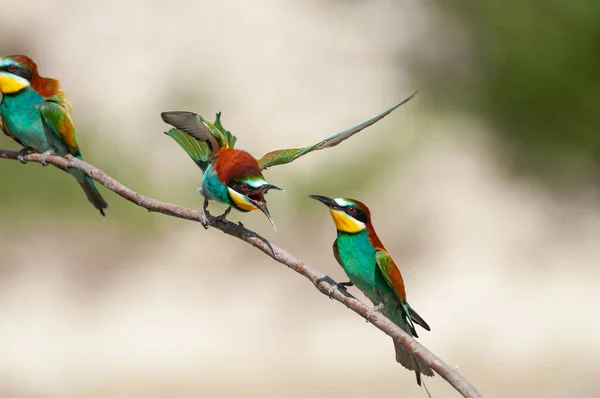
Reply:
x=93, y=194
x=417, y=318
x=402, y=316
x=412, y=362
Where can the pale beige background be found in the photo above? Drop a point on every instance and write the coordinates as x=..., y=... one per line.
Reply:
x=506, y=274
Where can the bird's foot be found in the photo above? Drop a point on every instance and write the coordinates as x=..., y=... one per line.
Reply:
x=22, y=154
x=221, y=217
x=204, y=215
x=373, y=310
x=339, y=286
x=44, y=155
x=204, y=218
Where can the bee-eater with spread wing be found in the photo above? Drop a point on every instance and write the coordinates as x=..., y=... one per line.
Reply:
x=38, y=116
x=371, y=269
x=233, y=176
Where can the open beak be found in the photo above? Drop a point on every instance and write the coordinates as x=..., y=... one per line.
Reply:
x=326, y=201
x=260, y=202
x=262, y=206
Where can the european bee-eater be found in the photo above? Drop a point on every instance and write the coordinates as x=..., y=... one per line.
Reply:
x=38, y=116
x=233, y=176
x=371, y=269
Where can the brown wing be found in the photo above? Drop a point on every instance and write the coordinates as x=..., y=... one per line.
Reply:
x=391, y=273
x=336, y=253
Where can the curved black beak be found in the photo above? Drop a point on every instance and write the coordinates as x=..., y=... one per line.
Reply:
x=332, y=204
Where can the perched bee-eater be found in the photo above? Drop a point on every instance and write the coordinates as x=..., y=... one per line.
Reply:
x=233, y=176
x=371, y=269
x=38, y=116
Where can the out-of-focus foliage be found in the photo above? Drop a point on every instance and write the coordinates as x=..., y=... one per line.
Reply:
x=533, y=72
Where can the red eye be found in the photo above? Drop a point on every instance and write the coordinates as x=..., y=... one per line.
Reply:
x=351, y=210
x=12, y=68
x=245, y=187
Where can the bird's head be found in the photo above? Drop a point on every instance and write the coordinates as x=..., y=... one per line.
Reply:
x=17, y=72
x=246, y=186
x=349, y=215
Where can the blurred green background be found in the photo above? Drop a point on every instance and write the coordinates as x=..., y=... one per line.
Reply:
x=531, y=71
x=483, y=188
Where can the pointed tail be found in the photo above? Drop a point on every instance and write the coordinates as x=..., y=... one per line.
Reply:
x=92, y=193
x=404, y=316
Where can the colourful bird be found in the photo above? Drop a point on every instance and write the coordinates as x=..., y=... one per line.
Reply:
x=232, y=176
x=371, y=269
x=38, y=116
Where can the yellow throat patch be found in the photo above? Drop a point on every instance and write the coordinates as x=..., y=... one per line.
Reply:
x=345, y=223
x=240, y=202
x=11, y=84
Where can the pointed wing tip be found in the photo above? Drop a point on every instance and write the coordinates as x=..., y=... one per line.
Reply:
x=171, y=132
x=404, y=101
x=174, y=116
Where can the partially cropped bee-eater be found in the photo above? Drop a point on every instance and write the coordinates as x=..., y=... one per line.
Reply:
x=38, y=116
x=233, y=176
x=371, y=269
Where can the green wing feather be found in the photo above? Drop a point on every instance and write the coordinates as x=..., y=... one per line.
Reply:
x=390, y=272
x=56, y=112
x=200, y=139
x=196, y=126
x=199, y=151
x=392, y=276
x=230, y=139
x=284, y=156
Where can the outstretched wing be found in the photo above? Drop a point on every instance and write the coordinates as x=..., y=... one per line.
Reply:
x=198, y=138
x=199, y=151
x=230, y=139
x=283, y=156
x=194, y=126
x=56, y=112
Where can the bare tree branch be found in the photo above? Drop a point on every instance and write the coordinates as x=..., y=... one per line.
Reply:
x=322, y=282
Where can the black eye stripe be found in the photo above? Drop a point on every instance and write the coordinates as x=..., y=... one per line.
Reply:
x=237, y=186
x=22, y=72
x=357, y=214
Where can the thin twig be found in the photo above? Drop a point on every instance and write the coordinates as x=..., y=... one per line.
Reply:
x=322, y=282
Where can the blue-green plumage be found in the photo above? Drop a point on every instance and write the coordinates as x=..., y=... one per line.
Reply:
x=21, y=115
x=210, y=145
x=38, y=116
x=357, y=258
x=373, y=271
x=212, y=188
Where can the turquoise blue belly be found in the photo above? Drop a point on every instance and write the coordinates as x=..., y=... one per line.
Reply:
x=21, y=115
x=212, y=188
x=357, y=256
